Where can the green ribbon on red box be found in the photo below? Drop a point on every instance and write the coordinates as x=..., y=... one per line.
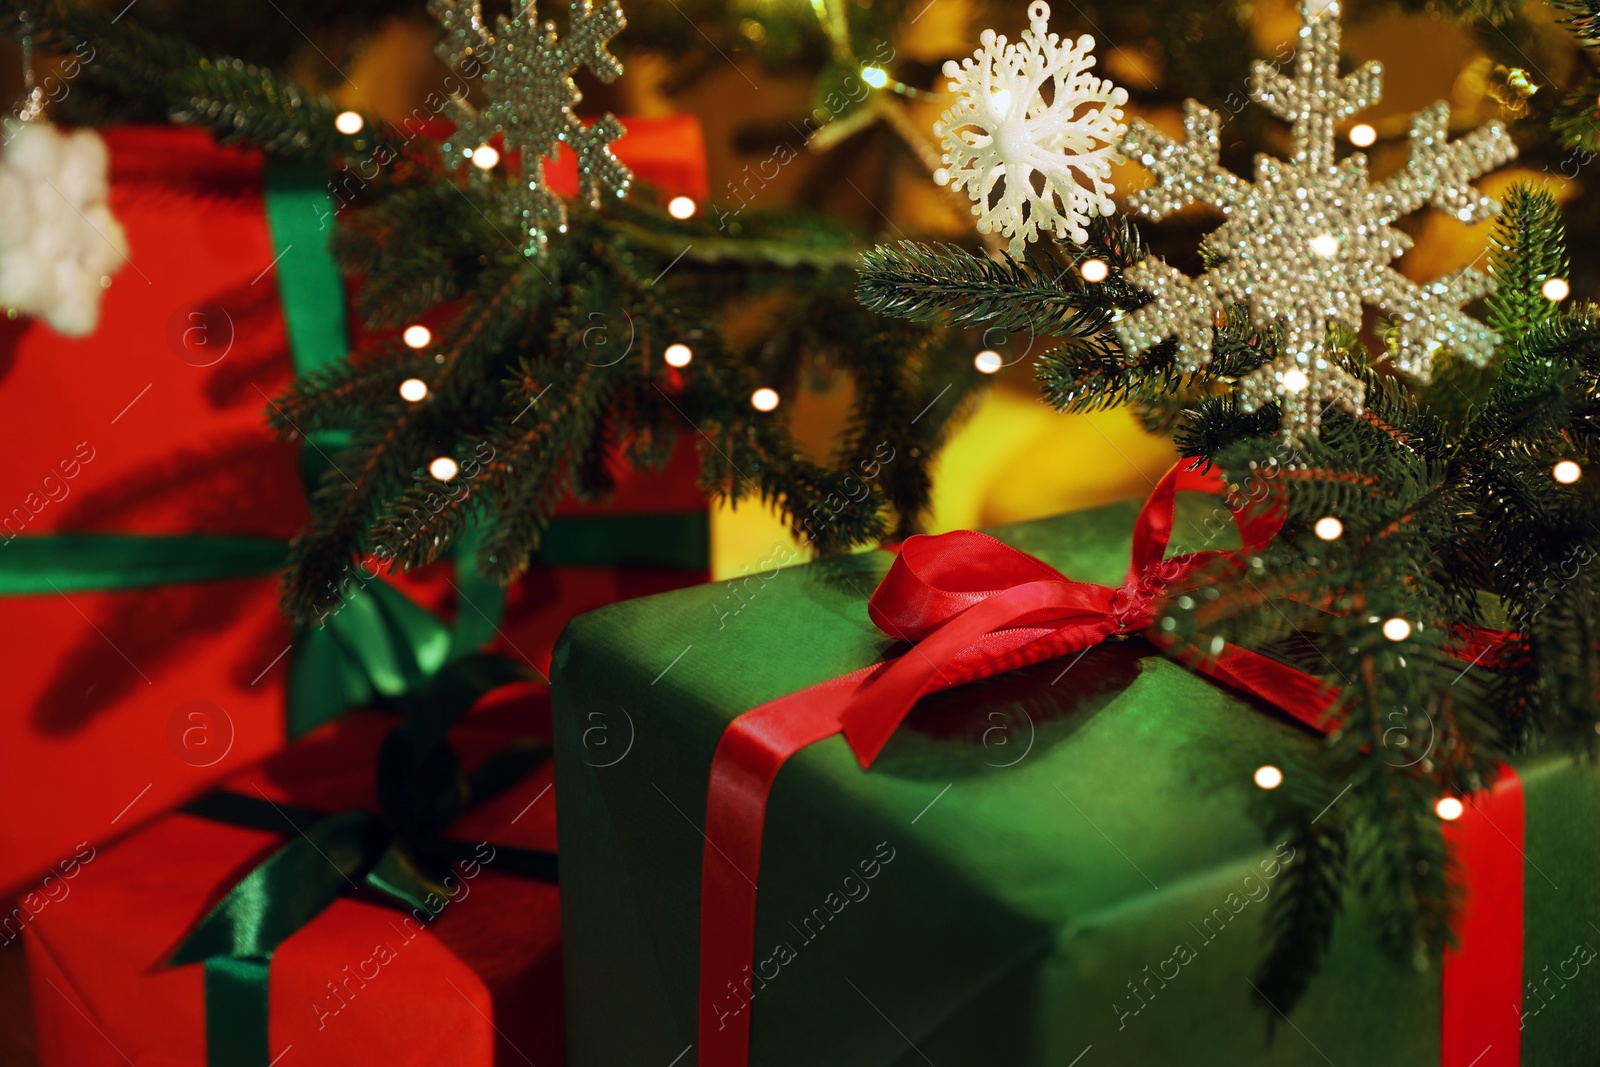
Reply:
x=379, y=643
x=400, y=852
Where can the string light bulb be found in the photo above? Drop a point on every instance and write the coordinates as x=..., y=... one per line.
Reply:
x=678, y=355
x=1325, y=245
x=1566, y=472
x=988, y=361
x=1397, y=629
x=485, y=156
x=413, y=389
x=1328, y=528
x=417, y=336
x=1268, y=776
x=876, y=77
x=444, y=468
x=348, y=122
x=1295, y=380
x=1556, y=290
x=1095, y=270
x=681, y=207
x=764, y=399
x=1450, y=808
x=1363, y=135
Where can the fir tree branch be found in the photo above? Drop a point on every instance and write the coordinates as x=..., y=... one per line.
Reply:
x=236, y=102
x=1576, y=119
x=770, y=247
x=951, y=285
x=1583, y=19
x=387, y=453
x=1094, y=374
x=404, y=277
x=1045, y=293
x=1304, y=817
x=1527, y=248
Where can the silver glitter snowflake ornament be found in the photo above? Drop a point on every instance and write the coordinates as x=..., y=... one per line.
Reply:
x=1310, y=241
x=527, y=78
x=1052, y=152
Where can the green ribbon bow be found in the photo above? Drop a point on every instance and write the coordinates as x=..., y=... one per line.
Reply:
x=401, y=854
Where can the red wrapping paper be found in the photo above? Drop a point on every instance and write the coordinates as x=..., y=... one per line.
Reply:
x=1482, y=980
x=479, y=986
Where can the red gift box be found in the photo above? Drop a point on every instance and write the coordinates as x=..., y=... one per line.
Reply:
x=121, y=432
x=362, y=982
x=129, y=701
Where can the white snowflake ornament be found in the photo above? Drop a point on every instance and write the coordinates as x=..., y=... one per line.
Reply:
x=1311, y=240
x=1052, y=152
x=59, y=239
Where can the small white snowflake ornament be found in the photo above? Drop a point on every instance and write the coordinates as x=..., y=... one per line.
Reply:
x=1053, y=151
x=59, y=238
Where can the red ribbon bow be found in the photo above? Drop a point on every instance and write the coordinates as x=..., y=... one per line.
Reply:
x=975, y=607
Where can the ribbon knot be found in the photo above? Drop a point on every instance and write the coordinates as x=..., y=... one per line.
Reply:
x=1134, y=609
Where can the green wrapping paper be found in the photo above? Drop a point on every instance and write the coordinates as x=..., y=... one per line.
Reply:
x=1055, y=866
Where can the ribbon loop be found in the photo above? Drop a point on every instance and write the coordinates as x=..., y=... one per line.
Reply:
x=1006, y=629
x=935, y=579
x=1152, y=533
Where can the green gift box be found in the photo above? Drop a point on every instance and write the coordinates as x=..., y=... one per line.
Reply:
x=1054, y=866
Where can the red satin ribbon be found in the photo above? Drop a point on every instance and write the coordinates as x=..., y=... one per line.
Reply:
x=1480, y=1022
x=974, y=607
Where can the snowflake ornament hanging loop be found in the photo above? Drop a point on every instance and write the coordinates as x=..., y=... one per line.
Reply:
x=1311, y=240
x=527, y=77
x=1032, y=165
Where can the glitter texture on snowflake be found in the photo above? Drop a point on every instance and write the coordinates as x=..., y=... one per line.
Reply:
x=1053, y=154
x=527, y=78
x=1310, y=241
